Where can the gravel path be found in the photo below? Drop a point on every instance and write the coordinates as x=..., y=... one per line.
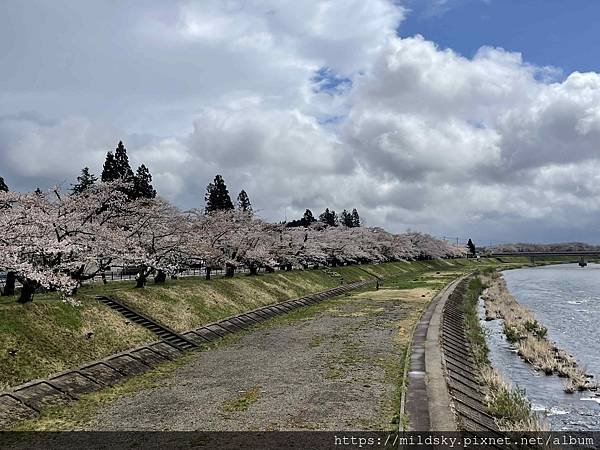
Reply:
x=331, y=366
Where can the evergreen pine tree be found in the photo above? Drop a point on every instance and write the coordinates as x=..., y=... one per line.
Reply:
x=109, y=171
x=3, y=186
x=308, y=218
x=472, y=248
x=116, y=166
x=84, y=181
x=217, y=196
x=142, y=184
x=122, y=163
x=346, y=219
x=355, y=218
x=329, y=218
x=244, y=202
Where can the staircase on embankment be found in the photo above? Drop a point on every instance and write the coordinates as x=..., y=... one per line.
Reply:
x=171, y=337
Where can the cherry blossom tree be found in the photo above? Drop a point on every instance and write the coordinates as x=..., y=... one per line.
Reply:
x=56, y=241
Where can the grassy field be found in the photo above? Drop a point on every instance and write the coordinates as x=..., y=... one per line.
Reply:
x=48, y=336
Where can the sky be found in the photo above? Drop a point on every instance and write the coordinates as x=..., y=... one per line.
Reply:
x=460, y=118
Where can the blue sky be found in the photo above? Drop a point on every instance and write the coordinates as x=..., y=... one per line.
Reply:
x=560, y=33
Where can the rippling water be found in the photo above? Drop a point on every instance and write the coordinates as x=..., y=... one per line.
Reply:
x=566, y=299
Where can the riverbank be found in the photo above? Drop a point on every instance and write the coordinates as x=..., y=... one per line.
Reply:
x=565, y=299
x=49, y=336
x=529, y=336
x=509, y=406
x=345, y=358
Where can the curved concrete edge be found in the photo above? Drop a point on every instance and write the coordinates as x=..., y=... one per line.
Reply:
x=25, y=401
x=427, y=402
x=441, y=408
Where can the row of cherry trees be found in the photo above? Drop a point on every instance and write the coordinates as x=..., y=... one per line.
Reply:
x=56, y=240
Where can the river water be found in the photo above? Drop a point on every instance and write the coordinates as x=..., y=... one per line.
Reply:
x=566, y=299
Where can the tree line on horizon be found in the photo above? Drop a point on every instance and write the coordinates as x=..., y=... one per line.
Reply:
x=56, y=240
x=139, y=185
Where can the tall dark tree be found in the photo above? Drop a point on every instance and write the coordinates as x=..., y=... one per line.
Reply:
x=109, y=171
x=142, y=184
x=346, y=219
x=472, y=248
x=116, y=166
x=308, y=217
x=329, y=217
x=355, y=218
x=9, y=285
x=243, y=202
x=306, y=220
x=122, y=163
x=84, y=181
x=217, y=196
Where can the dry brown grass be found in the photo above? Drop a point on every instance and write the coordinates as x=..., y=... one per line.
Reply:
x=529, y=336
x=510, y=404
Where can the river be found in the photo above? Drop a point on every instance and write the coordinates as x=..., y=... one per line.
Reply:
x=566, y=299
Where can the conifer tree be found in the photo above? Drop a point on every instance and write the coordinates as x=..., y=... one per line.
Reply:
x=122, y=163
x=308, y=218
x=142, y=184
x=109, y=171
x=116, y=166
x=329, y=218
x=346, y=219
x=84, y=181
x=217, y=196
x=355, y=218
x=3, y=186
x=472, y=248
x=244, y=202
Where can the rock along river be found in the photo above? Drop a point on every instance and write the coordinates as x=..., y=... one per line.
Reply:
x=566, y=299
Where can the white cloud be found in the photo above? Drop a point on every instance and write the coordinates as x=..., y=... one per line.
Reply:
x=418, y=137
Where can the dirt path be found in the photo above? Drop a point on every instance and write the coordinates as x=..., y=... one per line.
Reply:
x=336, y=365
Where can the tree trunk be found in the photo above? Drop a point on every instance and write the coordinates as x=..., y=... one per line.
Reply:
x=253, y=270
x=208, y=269
x=288, y=267
x=9, y=287
x=160, y=277
x=141, y=280
x=27, y=291
x=229, y=271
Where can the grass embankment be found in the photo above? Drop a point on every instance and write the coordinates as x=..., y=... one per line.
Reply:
x=529, y=336
x=509, y=406
x=343, y=352
x=48, y=336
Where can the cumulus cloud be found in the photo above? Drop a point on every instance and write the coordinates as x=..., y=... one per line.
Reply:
x=304, y=105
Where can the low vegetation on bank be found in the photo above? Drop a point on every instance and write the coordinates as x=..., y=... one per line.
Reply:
x=529, y=336
x=509, y=406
